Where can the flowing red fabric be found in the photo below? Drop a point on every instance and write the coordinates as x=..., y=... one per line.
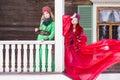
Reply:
x=86, y=61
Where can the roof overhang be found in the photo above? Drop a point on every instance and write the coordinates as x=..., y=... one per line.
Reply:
x=105, y=1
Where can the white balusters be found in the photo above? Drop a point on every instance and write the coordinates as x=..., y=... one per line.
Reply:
x=13, y=58
x=49, y=57
x=41, y=54
x=31, y=58
x=25, y=58
x=43, y=57
x=37, y=61
x=7, y=58
x=19, y=58
x=1, y=58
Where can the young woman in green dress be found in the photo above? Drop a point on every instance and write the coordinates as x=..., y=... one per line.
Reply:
x=46, y=31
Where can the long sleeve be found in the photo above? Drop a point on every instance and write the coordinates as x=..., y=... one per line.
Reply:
x=40, y=24
x=66, y=24
x=80, y=36
x=52, y=34
x=82, y=40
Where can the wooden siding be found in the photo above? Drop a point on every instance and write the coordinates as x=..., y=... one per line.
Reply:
x=18, y=18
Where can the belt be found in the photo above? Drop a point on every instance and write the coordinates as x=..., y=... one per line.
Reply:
x=43, y=32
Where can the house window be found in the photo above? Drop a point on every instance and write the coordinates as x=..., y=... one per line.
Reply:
x=108, y=23
x=108, y=27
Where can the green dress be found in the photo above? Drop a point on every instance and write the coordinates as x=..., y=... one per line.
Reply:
x=50, y=28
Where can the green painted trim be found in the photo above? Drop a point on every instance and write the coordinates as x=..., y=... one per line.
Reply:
x=89, y=25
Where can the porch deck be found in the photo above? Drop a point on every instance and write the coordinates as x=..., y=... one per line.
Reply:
x=17, y=59
x=104, y=76
x=34, y=77
x=109, y=76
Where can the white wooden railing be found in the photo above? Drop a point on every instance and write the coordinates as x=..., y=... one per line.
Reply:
x=23, y=56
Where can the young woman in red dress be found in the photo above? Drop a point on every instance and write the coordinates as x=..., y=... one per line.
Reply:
x=86, y=61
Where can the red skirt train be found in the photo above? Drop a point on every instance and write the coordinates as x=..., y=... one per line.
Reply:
x=90, y=60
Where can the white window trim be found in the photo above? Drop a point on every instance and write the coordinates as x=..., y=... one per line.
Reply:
x=101, y=3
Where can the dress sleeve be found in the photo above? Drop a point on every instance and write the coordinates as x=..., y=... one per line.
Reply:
x=51, y=36
x=83, y=39
x=40, y=24
x=66, y=24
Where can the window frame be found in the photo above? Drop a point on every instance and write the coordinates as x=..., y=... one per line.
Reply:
x=110, y=24
x=106, y=23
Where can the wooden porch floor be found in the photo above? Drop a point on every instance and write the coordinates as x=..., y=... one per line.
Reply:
x=104, y=76
x=34, y=77
x=109, y=76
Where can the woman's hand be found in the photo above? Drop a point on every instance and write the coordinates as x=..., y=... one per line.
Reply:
x=36, y=29
x=79, y=40
x=73, y=15
x=42, y=40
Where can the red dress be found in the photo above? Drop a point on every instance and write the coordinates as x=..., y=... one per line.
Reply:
x=86, y=61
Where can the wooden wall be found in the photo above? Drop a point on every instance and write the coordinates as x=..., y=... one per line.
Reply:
x=18, y=18
x=71, y=5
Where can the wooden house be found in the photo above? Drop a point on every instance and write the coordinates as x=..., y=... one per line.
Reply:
x=19, y=48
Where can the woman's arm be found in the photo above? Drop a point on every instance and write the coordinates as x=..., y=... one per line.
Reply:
x=52, y=34
x=83, y=39
x=66, y=24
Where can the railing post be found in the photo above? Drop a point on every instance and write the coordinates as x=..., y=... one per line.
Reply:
x=59, y=40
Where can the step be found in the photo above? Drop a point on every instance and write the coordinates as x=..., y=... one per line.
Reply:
x=109, y=76
x=34, y=77
x=103, y=76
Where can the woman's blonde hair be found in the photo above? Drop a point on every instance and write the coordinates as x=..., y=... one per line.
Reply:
x=47, y=9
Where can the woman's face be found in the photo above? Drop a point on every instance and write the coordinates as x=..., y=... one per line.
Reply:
x=46, y=14
x=74, y=21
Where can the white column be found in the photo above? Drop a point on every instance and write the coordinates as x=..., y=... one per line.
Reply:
x=59, y=40
x=95, y=24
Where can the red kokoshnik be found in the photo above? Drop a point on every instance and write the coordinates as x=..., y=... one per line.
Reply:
x=46, y=9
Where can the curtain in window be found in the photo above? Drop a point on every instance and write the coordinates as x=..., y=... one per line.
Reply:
x=105, y=15
x=109, y=15
x=116, y=14
x=118, y=30
x=103, y=32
